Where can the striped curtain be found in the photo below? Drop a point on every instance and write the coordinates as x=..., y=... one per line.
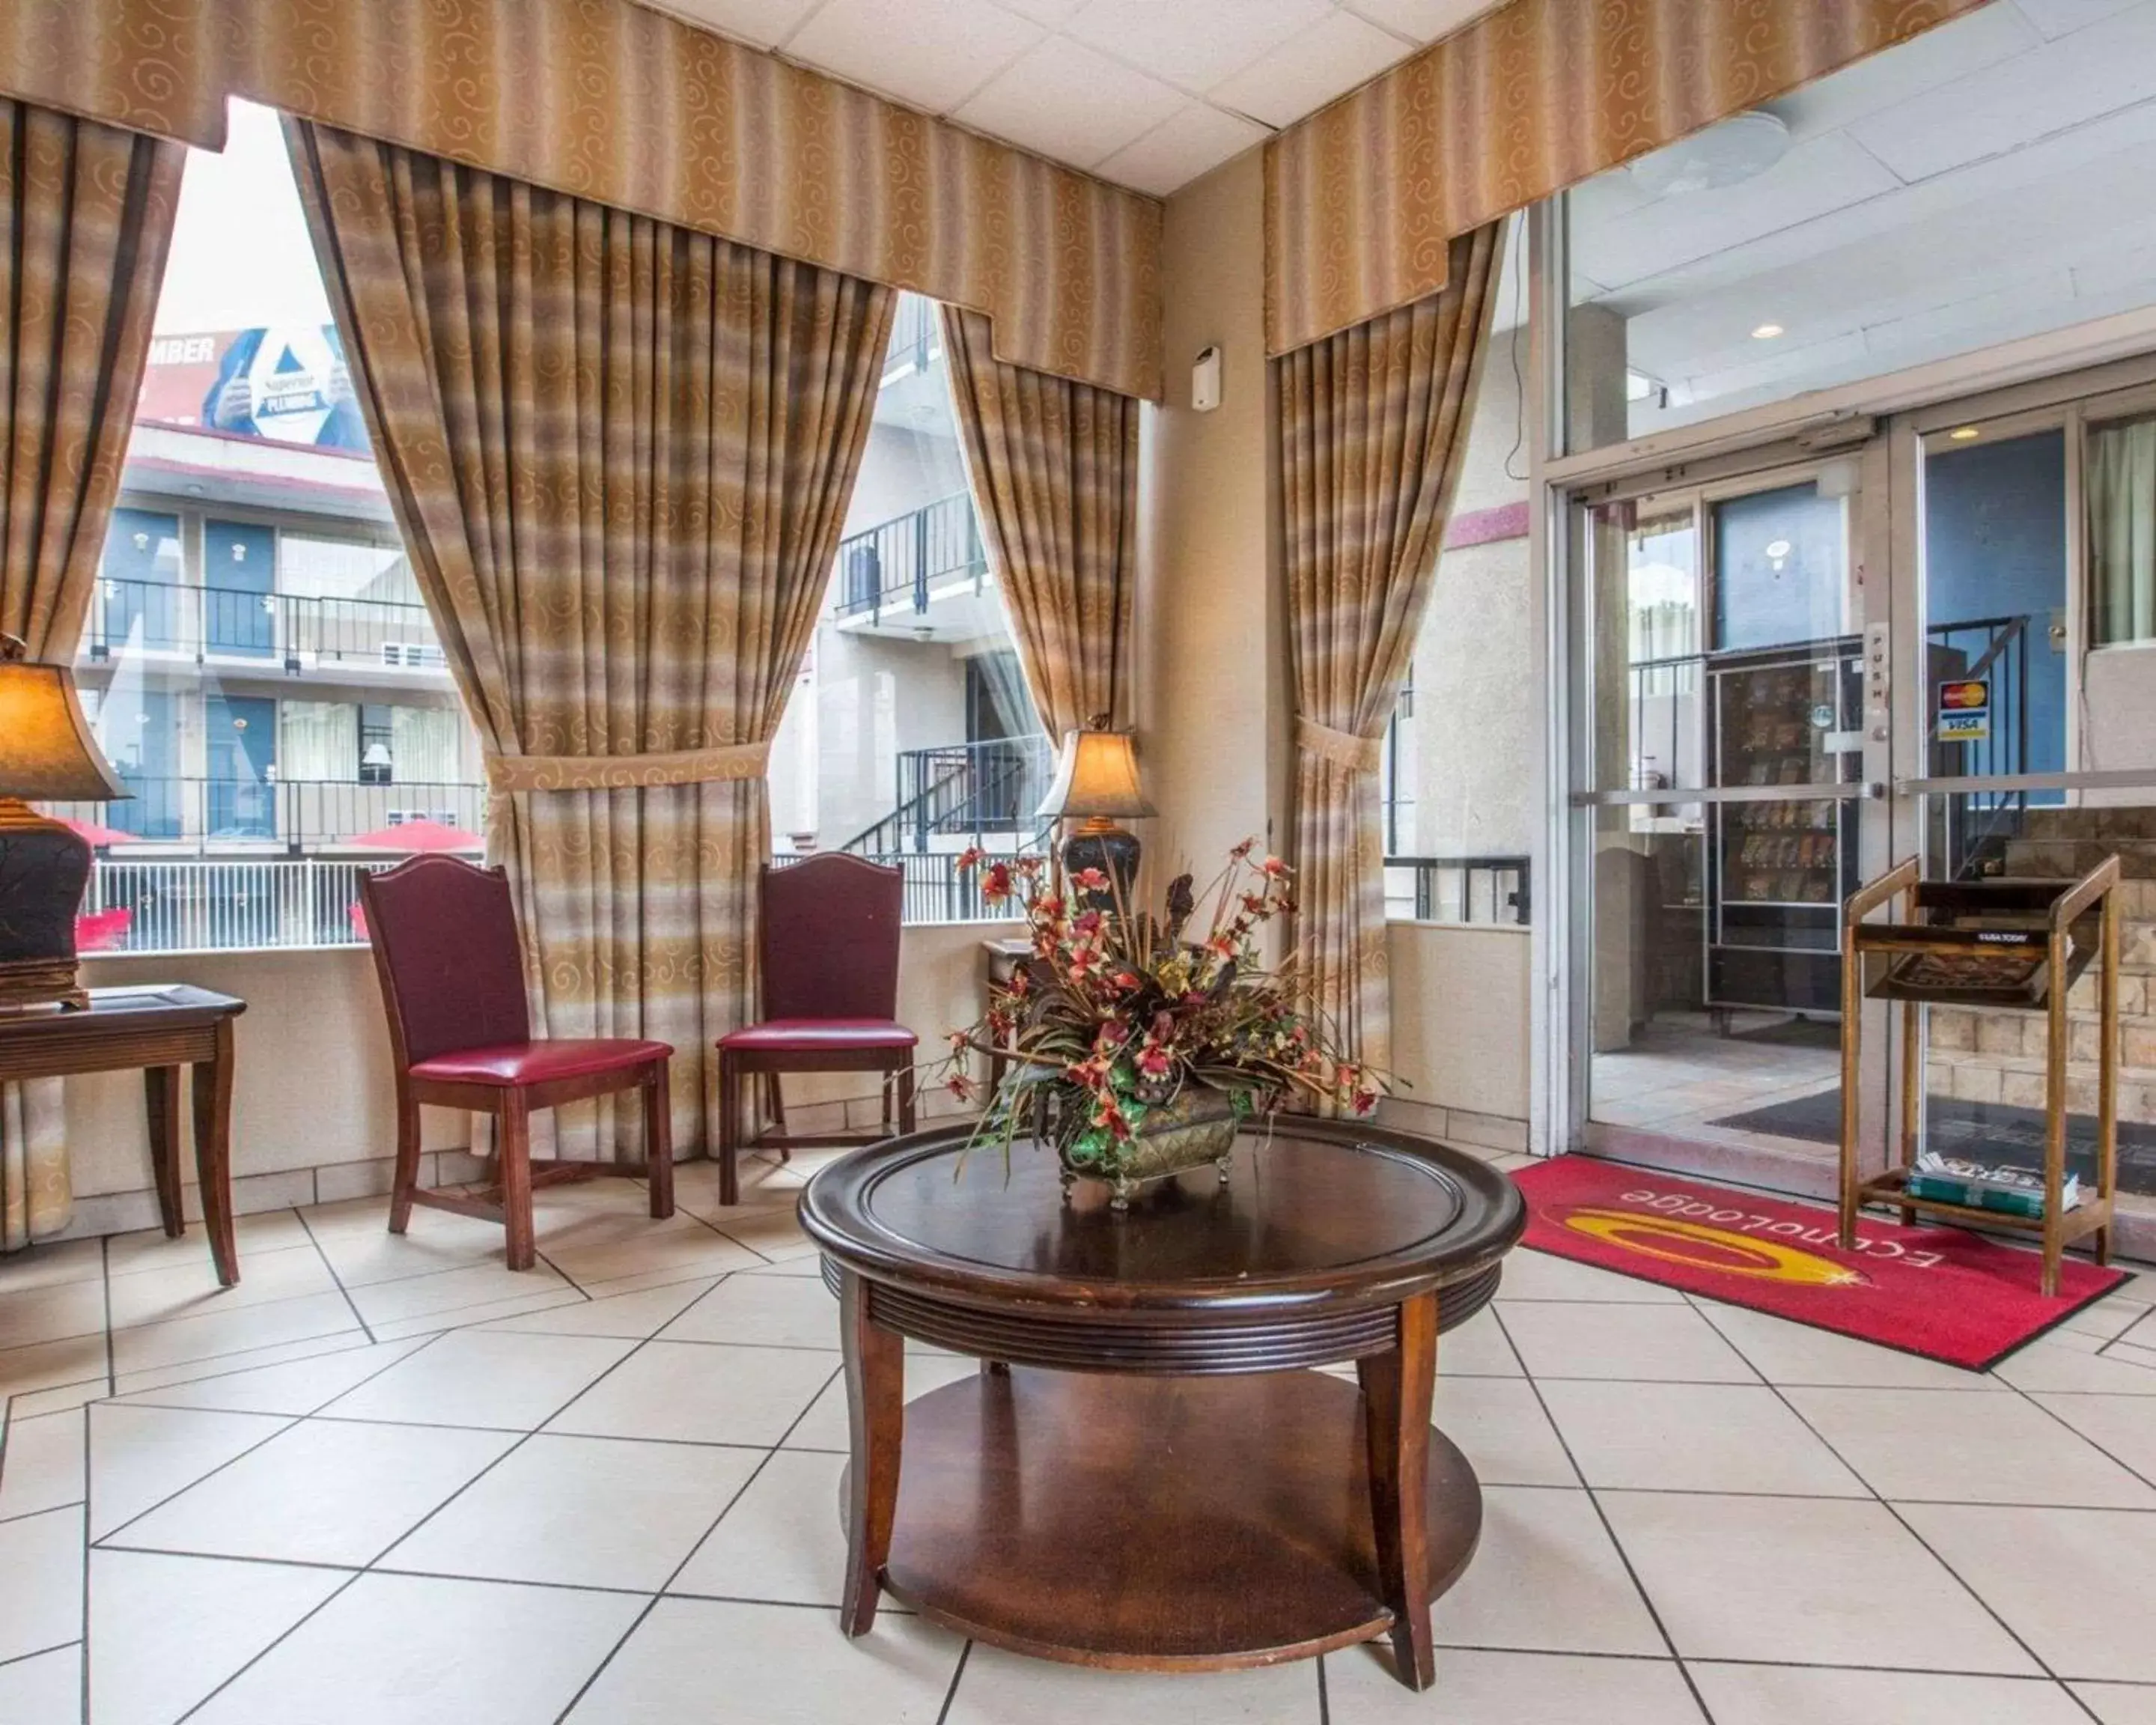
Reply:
x=86, y=217
x=620, y=452
x=1054, y=467
x=1372, y=428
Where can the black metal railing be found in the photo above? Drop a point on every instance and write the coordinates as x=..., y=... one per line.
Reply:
x=301, y=814
x=936, y=889
x=1460, y=888
x=1993, y=651
x=917, y=336
x=294, y=630
x=963, y=789
x=897, y=565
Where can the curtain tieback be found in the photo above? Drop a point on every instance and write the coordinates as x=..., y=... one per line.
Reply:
x=624, y=772
x=1342, y=748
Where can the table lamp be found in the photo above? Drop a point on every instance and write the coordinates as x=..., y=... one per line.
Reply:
x=46, y=752
x=1097, y=784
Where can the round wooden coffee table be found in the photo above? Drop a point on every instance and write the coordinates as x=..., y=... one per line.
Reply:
x=1140, y=1477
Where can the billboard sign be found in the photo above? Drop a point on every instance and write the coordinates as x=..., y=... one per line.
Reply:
x=287, y=384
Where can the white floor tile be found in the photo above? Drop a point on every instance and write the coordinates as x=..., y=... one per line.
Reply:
x=1970, y=1447
x=1543, y=1275
x=2122, y=1425
x=773, y=1234
x=763, y=1311
x=165, y=1631
x=295, y=1386
x=823, y=1426
x=581, y=1513
x=710, y=1662
x=1823, y=1580
x=416, y=1651
x=1786, y=1353
x=605, y=1248
x=152, y=1248
x=384, y=1303
x=635, y=1316
x=1476, y=1687
x=41, y=1464
x=1788, y=1695
x=700, y=1393
x=248, y=1359
x=1500, y=1425
x=1694, y=1437
x=2117, y=1704
x=46, y=1690
x=1654, y=1343
x=1545, y=1578
x=782, y=1540
x=1478, y=1348
x=212, y=1335
x=140, y=1456
x=55, y=1262
x=2074, y=1584
x=324, y=1491
x=40, y=1582
x=2109, y=1318
x=191, y=1289
x=998, y=1688
x=46, y=1365
x=50, y=1312
x=549, y=1297
x=2066, y=1363
x=499, y=1378
x=363, y=1254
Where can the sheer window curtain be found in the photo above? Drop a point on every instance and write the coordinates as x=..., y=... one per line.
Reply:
x=86, y=219
x=425, y=746
x=1372, y=428
x=620, y=453
x=318, y=740
x=2121, y=507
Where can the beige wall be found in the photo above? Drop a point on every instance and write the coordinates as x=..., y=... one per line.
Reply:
x=1461, y=998
x=313, y=1117
x=1213, y=708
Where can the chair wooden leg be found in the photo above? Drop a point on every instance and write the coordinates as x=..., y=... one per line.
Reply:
x=406, y=1180
x=659, y=1141
x=515, y=1119
x=905, y=1098
x=774, y=1102
x=729, y=1129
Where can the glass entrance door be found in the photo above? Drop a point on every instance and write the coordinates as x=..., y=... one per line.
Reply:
x=1720, y=796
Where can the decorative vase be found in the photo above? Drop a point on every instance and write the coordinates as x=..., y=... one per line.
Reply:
x=1198, y=1126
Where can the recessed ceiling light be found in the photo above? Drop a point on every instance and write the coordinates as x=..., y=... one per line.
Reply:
x=1766, y=332
x=1964, y=434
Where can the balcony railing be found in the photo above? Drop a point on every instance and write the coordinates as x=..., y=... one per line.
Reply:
x=1458, y=888
x=301, y=814
x=937, y=890
x=917, y=336
x=962, y=790
x=290, y=631
x=898, y=565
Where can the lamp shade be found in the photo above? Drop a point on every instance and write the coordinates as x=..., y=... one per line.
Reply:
x=47, y=753
x=1097, y=778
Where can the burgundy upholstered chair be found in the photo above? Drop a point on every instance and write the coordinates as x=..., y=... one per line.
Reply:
x=446, y=951
x=830, y=961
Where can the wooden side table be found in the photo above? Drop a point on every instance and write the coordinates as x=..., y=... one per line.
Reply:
x=159, y=1029
x=1142, y=1477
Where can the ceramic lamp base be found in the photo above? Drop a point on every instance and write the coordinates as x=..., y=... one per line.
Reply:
x=1100, y=845
x=43, y=868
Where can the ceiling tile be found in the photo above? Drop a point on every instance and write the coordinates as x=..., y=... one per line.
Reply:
x=1191, y=143
x=1070, y=103
x=1425, y=20
x=1307, y=71
x=1192, y=43
x=932, y=53
x=2059, y=18
x=764, y=24
x=1969, y=44
x=1042, y=12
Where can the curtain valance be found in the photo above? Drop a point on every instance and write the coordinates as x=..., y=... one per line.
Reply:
x=1363, y=198
x=620, y=105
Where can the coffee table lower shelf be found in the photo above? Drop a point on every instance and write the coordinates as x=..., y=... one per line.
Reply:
x=1147, y=1524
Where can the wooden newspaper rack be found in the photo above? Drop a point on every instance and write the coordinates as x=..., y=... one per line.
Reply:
x=1999, y=944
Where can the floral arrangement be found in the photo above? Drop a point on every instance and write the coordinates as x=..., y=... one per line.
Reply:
x=1119, y=1015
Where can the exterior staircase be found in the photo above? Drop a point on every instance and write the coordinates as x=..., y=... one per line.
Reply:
x=1982, y=1057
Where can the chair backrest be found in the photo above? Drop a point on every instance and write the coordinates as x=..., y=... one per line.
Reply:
x=829, y=943
x=445, y=948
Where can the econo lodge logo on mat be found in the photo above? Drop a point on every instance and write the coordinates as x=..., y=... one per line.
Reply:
x=1703, y=1246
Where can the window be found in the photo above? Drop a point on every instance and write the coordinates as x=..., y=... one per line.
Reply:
x=1459, y=813
x=2122, y=531
x=911, y=736
x=1983, y=182
x=262, y=674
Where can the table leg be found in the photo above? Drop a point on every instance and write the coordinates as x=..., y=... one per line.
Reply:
x=1397, y=1389
x=212, y=1099
x=875, y=1408
x=161, y=1086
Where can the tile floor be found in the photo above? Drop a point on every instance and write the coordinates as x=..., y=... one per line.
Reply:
x=385, y=1481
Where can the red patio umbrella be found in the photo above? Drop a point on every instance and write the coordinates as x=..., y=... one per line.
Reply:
x=97, y=835
x=419, y=835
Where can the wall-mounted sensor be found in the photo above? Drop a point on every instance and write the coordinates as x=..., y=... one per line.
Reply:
x=1205, y=381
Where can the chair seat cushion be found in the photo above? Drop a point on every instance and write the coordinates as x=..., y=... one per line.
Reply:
x=818, y=1035
x=517, y=1063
